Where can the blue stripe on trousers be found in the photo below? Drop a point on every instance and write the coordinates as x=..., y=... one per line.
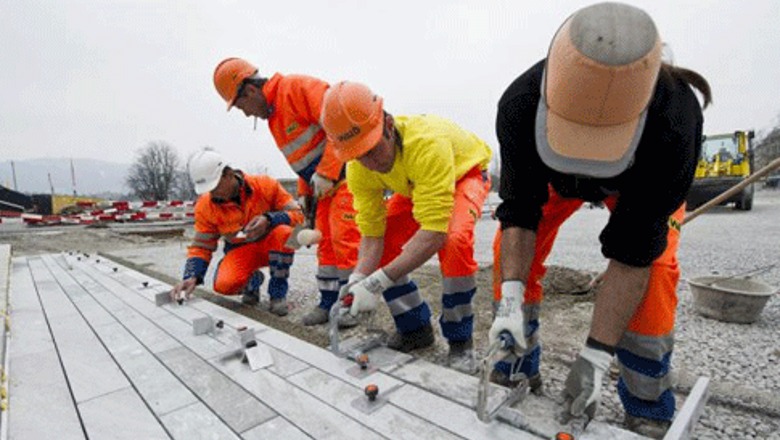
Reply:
x=662, y=409
x=411, y=319
x=457, y=330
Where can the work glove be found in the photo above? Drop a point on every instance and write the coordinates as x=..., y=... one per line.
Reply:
x=583, y=384
x=321, y=185
x=366, y=290
x=354, y=278
x=509, y=316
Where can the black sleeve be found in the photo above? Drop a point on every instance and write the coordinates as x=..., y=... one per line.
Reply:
x=658, y=182
x=523, y=182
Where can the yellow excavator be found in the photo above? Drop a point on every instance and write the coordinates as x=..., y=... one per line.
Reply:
x=726, y=160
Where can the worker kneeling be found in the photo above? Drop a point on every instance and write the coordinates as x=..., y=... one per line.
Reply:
x=437, y=174
x=254, y=215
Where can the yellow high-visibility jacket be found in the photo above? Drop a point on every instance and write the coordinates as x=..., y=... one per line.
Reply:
x=435, y=154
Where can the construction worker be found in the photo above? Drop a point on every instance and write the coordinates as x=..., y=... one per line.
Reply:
x=601, y=119
x=291, y=104
x=438, y=175
x=255, y=216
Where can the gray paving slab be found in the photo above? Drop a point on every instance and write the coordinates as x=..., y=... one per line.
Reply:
x=31, y=375
x=389, y=420
x=35, y=366
x=90, y=369
x=238, y=408
x=452, y=416
x=160, y=388
x=324, y=360
x=150, y=335
x=278, y=427
x=196, y=422
x=315, y=418
x=120, y=415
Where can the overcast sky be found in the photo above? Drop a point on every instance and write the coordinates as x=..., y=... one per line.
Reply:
x=100, y=78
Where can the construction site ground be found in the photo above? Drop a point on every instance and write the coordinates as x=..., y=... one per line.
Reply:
x=742, y=360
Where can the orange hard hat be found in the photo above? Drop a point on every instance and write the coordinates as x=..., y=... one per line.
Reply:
x=228, y=77
x=352, y=117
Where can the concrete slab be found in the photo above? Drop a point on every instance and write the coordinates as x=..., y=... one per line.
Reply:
x=120, y=415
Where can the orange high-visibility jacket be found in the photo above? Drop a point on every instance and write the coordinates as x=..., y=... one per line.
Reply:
x=296, y=102
x=259, y=195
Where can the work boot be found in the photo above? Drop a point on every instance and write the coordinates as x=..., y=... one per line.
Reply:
x=647, y=427
x=278, y=306
x=461, y=356
x=315, y=316
x=534, y=382
x=249, y=295
x=406, y=342
x=346, y=320
x=318, y=315
x=250, y=298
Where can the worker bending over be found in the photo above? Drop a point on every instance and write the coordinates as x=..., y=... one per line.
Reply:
x=292, y=105
x=437, y=173
x=601, y=119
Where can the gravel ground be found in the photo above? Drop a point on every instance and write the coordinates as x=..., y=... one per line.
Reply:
x=741, y=360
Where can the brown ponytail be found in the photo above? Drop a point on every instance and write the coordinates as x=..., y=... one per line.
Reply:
x=692, y=78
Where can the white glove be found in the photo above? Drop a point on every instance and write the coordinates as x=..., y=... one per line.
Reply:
x=354, y=278
x=583, y=384
x=302, y=203
x=367, y=290
x=321, y=185
x=509, y=316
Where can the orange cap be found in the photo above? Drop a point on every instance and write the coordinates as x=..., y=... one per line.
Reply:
x=598, y=82
x=352, y=117
x=228, y=77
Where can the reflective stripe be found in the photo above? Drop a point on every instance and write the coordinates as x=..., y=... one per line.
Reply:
x=459, y=284
x=404, y=280
x=280, y=257
x=457, y=313
x=648, y=347
x=644, y=387
x=280, y=273
x=531, y=312
x=302, y=139
x=207, y=246
x=331, y=284
x=327, y=272
x=310, y=157
x=405, y=303
x=205, y=236
x=345, y=273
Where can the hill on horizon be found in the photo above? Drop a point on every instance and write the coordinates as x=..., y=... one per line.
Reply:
x=93, y=177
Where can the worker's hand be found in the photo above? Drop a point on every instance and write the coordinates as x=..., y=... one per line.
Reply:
x=321, y=185
x=509, y=316
x=366, y=291
x=354, y=278
x=583, y=384
x=184, y=289
x=257, y=227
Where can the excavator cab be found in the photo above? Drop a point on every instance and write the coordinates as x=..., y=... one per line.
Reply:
x=725, y=160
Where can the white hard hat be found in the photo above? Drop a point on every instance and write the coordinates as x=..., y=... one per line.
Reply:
x=206, y=169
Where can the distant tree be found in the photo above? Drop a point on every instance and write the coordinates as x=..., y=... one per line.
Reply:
x=153, y=174
x=183, y=187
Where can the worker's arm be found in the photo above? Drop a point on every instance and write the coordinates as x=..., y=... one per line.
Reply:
x=370, y=254
x=422, y=246
x=517, y=253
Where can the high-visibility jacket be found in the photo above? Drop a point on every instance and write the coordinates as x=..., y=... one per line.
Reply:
x=435, y=154
x=296, y=102
x=258, y=195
